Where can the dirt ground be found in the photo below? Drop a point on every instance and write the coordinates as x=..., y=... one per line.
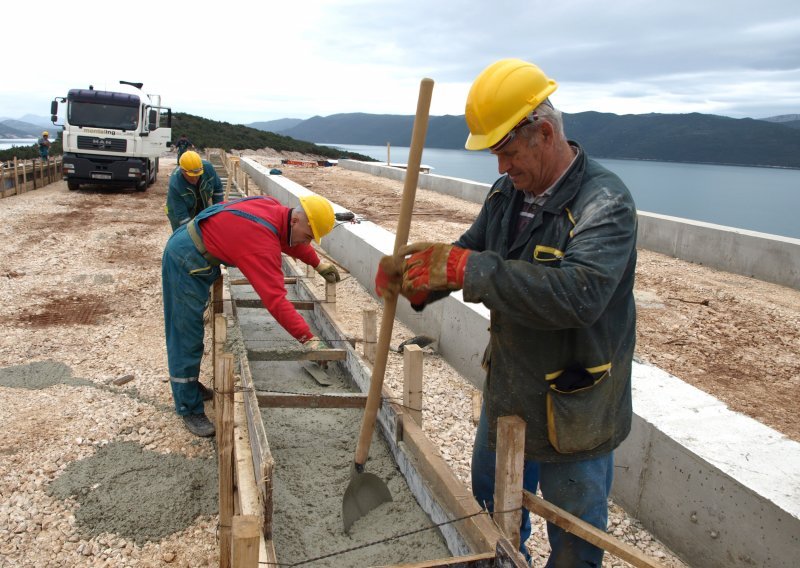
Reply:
x=733, y=337
x=81, y=294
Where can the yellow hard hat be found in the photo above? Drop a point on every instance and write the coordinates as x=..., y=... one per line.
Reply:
x=191, y=163
x=45, y=133
x=502, y=95
x=320, y=214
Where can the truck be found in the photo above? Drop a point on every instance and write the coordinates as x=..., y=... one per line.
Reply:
x=112, y=138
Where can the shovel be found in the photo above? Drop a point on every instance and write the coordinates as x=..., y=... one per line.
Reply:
x=366, y=491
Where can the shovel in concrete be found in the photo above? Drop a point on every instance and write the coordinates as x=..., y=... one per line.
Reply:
x=367, y=491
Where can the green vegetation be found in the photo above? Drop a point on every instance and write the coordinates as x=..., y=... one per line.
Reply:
x=206, y=133
x=30, y=152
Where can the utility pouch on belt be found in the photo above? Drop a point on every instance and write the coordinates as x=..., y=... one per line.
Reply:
x=580, y=411
x=191, y=228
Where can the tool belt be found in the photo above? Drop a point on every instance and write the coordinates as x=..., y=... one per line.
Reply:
x=194, y=233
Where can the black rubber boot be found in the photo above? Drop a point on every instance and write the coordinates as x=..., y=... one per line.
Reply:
x=199, y=425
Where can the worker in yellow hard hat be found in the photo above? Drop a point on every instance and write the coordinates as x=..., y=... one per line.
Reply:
x=193, y=186
x=250, y=234
x=552, y=254
x=44, y=145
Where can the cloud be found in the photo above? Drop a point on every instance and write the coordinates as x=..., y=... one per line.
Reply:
x=243, y=62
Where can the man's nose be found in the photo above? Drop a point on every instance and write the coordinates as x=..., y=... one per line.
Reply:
x=503, y=164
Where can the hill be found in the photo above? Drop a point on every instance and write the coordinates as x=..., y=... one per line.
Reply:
x=205, y=133
x=694, y=138
x=276, y=126
x=10, y=128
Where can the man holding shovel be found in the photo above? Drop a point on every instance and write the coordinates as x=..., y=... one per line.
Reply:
x=552, y=255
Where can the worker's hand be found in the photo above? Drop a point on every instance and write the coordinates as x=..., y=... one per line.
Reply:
x=433, y=266
x=314, y=343
x=389, y=277
x=328, y=271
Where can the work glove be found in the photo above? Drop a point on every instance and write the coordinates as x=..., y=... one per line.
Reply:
x=314, y=343
x=433, y=267
x=389, y=277
x=328, y=271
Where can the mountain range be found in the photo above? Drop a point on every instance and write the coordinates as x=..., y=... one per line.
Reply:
x=693, y=138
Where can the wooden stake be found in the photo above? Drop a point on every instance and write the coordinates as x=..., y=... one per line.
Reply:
x=218, y=338
x=330, y=294
x=224, y=403
x=216, y=296
x=16, y=177
x=370, y=325
x=477, y=399
x=245, y=541
x=412, y=382
x=508, y=474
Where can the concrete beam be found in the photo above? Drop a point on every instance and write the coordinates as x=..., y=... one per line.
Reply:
x=758, y=255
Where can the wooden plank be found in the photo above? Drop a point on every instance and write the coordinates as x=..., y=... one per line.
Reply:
x=224, y=406
x=508, y=555
x=587, y=532
x=412, y=382
x=508, y=475
x=478, y=531
x=248, y=496
x=296, y=355
x=245, y=541
x=482, y=560
x=370, y=327
x=268, y=399
x=246, y=282
x=256, y=303
x=263, y=463
x=216, y=296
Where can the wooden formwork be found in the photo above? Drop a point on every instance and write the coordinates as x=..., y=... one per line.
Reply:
x=20, y=176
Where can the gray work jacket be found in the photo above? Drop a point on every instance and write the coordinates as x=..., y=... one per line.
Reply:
x=563, y=317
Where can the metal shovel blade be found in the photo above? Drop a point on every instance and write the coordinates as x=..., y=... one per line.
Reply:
x=365, y=492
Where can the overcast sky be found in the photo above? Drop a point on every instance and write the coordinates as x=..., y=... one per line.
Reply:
x=242, y=62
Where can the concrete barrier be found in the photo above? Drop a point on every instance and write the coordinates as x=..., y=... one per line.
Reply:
x=759, y=255
x=717, y=487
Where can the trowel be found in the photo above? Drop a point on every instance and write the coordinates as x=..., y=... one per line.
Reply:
x=367, y=491
x=317, y=373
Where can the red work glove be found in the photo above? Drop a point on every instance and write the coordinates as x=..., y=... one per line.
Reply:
x=433, y=266
x=388, y=278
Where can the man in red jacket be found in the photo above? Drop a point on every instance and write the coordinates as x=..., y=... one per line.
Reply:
x=250, y=234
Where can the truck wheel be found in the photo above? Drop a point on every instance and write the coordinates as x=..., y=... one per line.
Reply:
x=72, y=185
x=141, y=186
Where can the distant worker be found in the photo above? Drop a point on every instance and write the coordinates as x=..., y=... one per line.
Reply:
x=250, y=234
x=183, y=144
x=552, y=254
x=193, y=186
x=44, y=145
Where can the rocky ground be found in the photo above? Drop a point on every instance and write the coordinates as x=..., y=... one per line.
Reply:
x=80, y=286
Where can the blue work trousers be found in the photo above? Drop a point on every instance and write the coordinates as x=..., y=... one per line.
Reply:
x=579, y=487
x=186, y=279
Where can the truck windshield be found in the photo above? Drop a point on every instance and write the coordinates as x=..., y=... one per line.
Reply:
x=103, y=115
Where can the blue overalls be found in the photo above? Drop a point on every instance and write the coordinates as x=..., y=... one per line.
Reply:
x=187, y=274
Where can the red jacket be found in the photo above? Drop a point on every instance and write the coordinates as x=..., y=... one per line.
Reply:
x=256, y=251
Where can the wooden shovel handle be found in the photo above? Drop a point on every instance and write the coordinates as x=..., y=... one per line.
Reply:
x=390, y=303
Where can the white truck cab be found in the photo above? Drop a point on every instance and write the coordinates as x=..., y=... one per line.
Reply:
x=112, y=137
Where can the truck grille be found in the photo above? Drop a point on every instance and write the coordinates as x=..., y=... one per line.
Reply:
x=100, y=143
